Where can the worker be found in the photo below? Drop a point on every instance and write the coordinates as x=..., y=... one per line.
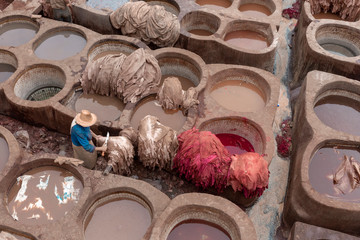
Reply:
x=61, y=10
x=81, y=136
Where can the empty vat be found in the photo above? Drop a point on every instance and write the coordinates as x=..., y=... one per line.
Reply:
x=174, y=119
x=40, y=82
x=339, y=39
x=340, y=112
x=106, y=108
x=237, y=95
x=214, y=3
x=59, y=44
x=4, y=150
x=200, y=23
x=17, y=31
x=123, y=217
x=197, y=229
x=110, y=46
x=43, y=195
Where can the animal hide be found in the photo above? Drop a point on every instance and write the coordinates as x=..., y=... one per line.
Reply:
x=129, y=78
x=346, y=9
x=157, y=143
x=202, y=159
x=347, y=176
x=151, y=24
x=249, y=173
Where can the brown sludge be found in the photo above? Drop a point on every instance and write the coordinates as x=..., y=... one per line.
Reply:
x=126, y=77
x=220, y=3
x=254, y=10
x=149, y=106
x=4, y=153
x=120, y=152
x=148, y=23
x=327, y=16
x=246, y=39
x=157, y=144
x=347, y=9
x=106, y=108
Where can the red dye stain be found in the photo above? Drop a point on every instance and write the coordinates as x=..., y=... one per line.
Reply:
x=235, y=144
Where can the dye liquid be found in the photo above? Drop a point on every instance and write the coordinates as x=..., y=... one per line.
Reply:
x=43, y=195
x=327, y=16
x=200, y=32
x=340, y=113
x=6, y=70
x=149, y=106
x=4, y=153
x=60, y=45
x=16, y=33
x=106, y=108
x=120, y=219
x=338, y=49
x=235, y=144
x=238, y=96
x=197, y=230
x=185, y=82
x=246, y=39
x=323, y=165
x=254, y=10
x=218, y=3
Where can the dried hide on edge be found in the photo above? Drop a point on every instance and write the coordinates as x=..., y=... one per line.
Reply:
x=149, y=23
x=249, y=173
x=202, y=159
x=347, y=9
x=347, y=176
x=140, y=75
x=171, y=96
x=127, y=77
x=157, y=144
x=120, y=153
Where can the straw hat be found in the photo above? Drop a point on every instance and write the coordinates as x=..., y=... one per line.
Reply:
x=85, y=118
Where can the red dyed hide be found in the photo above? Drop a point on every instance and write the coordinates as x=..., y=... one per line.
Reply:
x=202, y=159
x=249, y=173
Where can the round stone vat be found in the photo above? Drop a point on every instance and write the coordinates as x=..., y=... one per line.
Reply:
x=208, y=211
x=60, y=43
x=169, y=5
x=340, y=110
x=9, y=149
x=252, y=135
x=181, y=64
x=327, y=15
x=257, y=8
x=149, y=106
x=239, y=90
x=110, y=46
x=340, y=40
x=328, y=172
x=123, y=216
x=8, y=65
x=18, y=236
x=39, y=82
x=17, y=30
x=43, y=194
x=215, y=3
x=250, y=36
x=200, y=23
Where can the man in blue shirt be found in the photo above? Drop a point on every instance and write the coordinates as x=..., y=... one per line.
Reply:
x=81, y=136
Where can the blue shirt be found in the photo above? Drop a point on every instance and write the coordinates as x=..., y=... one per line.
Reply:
x=80, y=136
